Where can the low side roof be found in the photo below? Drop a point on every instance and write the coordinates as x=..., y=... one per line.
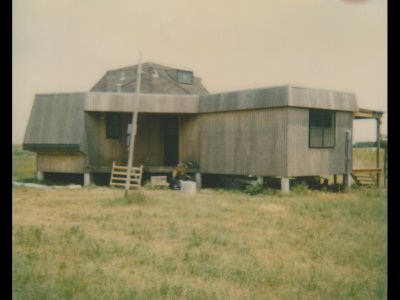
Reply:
x=56, y=123
x=57, y=120
x=149, y=103
x=324, y=99
x=239, y=100
x=364, y=113
x=278, y=97
x=247, y=99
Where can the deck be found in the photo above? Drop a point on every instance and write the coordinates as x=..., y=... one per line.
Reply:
x=146, y=169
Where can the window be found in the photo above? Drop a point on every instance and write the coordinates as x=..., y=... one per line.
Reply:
x=322, y=128
x=184, y=77
x=113, y=126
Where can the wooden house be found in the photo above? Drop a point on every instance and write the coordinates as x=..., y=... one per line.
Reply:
x=284, y=131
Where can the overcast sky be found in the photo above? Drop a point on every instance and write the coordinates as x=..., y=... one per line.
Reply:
x=68, y=45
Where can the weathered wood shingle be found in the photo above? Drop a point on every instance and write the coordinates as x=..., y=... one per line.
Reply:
x=57, y=120
x=156, y=79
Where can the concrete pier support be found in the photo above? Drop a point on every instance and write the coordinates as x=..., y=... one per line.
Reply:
x=260, y=180
x=86, y=179
x=285, y=185
x=39, y=176
x=347, y=181
x=197, y=177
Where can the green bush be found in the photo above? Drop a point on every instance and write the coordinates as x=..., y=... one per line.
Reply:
x=255, y=189
x=300, y=189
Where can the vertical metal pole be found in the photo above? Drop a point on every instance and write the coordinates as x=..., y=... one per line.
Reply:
x=378, y=149
x=348, y=159
x=385, y=163
x=134, y=126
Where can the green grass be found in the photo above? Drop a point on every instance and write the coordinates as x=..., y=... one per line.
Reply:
x=366, y=157
x=213, y=245
x=93, y=243
x=23, y=164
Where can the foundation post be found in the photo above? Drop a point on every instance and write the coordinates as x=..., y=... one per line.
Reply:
x=197, y=177
x=86, y=179
x=39, y=176
x=260, y=180
x=285, y=185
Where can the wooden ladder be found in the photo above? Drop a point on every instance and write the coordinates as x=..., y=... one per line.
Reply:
x=120, y=173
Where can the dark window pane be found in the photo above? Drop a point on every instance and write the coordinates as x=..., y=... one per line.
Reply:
x=315, y=118
x=328, y=119
x=316, y=137
x=329, y=137
x=113, y=126
x=322, y=125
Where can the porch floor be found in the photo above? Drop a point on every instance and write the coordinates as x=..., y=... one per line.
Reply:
x=146, y=169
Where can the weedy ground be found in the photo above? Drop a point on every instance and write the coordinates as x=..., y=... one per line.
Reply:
x=92, y=243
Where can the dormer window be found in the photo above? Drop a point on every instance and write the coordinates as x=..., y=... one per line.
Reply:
x=184, y=77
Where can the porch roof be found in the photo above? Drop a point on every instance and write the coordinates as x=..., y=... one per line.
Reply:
x=364, y=113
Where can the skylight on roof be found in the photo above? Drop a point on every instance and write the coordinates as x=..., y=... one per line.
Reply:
x=184, y=76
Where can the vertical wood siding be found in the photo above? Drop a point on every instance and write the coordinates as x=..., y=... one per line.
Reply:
x=149, y=144
x=149, y=147
x=103, y=151
x=239, y=142
x=61, y=162
x=304, y=161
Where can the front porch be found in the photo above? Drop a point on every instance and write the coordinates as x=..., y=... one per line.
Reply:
x=371, y=175
x=148, y=171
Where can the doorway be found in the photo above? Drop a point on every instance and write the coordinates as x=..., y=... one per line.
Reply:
x=171, y=140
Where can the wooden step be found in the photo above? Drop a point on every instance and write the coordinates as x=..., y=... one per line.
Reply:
x=363, y=179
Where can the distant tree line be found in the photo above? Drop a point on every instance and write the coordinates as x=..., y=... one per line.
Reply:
x=369, y=144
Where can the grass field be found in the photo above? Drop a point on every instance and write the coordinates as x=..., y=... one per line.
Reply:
x=366, y=157
x=91, y=243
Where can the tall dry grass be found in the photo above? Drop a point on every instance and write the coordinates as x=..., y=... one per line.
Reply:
x=366, y=157
x=92, y=243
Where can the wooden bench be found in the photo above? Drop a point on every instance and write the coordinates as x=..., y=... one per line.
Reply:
x=158, y=181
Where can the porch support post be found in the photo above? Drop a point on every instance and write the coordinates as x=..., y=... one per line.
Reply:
x=285, y=185
x=378, y=148
x=260, y=180
x=39, y=176
x=385, y=164
x=197, y=177
x=86, y=179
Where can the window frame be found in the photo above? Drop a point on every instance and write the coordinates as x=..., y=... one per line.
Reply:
x=322, y=126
